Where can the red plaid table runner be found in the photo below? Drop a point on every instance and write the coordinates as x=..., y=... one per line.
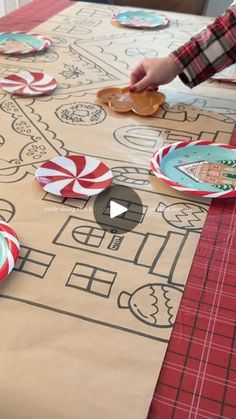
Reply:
x=198, y=377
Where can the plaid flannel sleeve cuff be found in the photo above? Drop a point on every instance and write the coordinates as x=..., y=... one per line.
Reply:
x=208, y=52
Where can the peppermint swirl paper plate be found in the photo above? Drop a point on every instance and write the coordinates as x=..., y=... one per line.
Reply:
x=9, y=249
x=74, y=176
x=26, y=83
x=201, y=168
x=19, y=43
x=141, y=19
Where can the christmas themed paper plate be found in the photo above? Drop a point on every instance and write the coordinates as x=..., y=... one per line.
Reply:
x=140, y=19
x=9, y=249
x=200, y=168
x=228, y=75
x=22, y=43
x=74, y=176
x=121, y=100
x=26, y=83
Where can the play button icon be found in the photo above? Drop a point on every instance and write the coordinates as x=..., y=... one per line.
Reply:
x=116, y=209
x=119, y=209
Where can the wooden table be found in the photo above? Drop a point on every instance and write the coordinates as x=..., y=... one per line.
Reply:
x=183, y=6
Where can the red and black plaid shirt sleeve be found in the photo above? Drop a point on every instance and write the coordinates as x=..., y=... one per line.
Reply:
x=209, y=51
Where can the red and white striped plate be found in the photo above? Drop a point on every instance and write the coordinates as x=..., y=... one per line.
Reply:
x=9, y=249
x=19, y=43
x=207, y=169
x=27, y=83
x=74, y=176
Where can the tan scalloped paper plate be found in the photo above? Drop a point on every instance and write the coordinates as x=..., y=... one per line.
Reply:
x=121, y=100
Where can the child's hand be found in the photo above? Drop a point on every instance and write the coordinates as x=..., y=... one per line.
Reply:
x=151, y=72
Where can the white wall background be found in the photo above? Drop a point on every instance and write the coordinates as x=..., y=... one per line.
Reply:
x=7, y=6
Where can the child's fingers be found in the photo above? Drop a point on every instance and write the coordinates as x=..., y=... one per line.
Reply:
x=137, y=74
x=140, y=85
x=152, y=87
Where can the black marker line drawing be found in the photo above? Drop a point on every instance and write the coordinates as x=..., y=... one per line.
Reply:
x=153, y=304
x=135, y=212
x=137, y=52
x=76, y=74
x=215, y=107
x=7, y=210
x=37, y=144
x=72, y=72
x=132, y=175
x=110, y=56
x=84, y=318
x=88, y=235
x=78, y=203
x=182, y=112
x=142, y=249
x=39, y=58
x=183, y=215
x=34, y=262
x=94, y=12
x=2, y=140
x=148, y=139
x=67, y=28
x=91, y=279
x=104, y=66
x=81, y=113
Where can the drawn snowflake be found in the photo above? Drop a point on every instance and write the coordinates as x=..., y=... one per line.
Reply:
x=71, y=72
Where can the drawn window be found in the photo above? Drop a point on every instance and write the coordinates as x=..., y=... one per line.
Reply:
x=79, y=203
x=135, y=213
x=33, y=262
x=90, y=236
x=92, y=279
